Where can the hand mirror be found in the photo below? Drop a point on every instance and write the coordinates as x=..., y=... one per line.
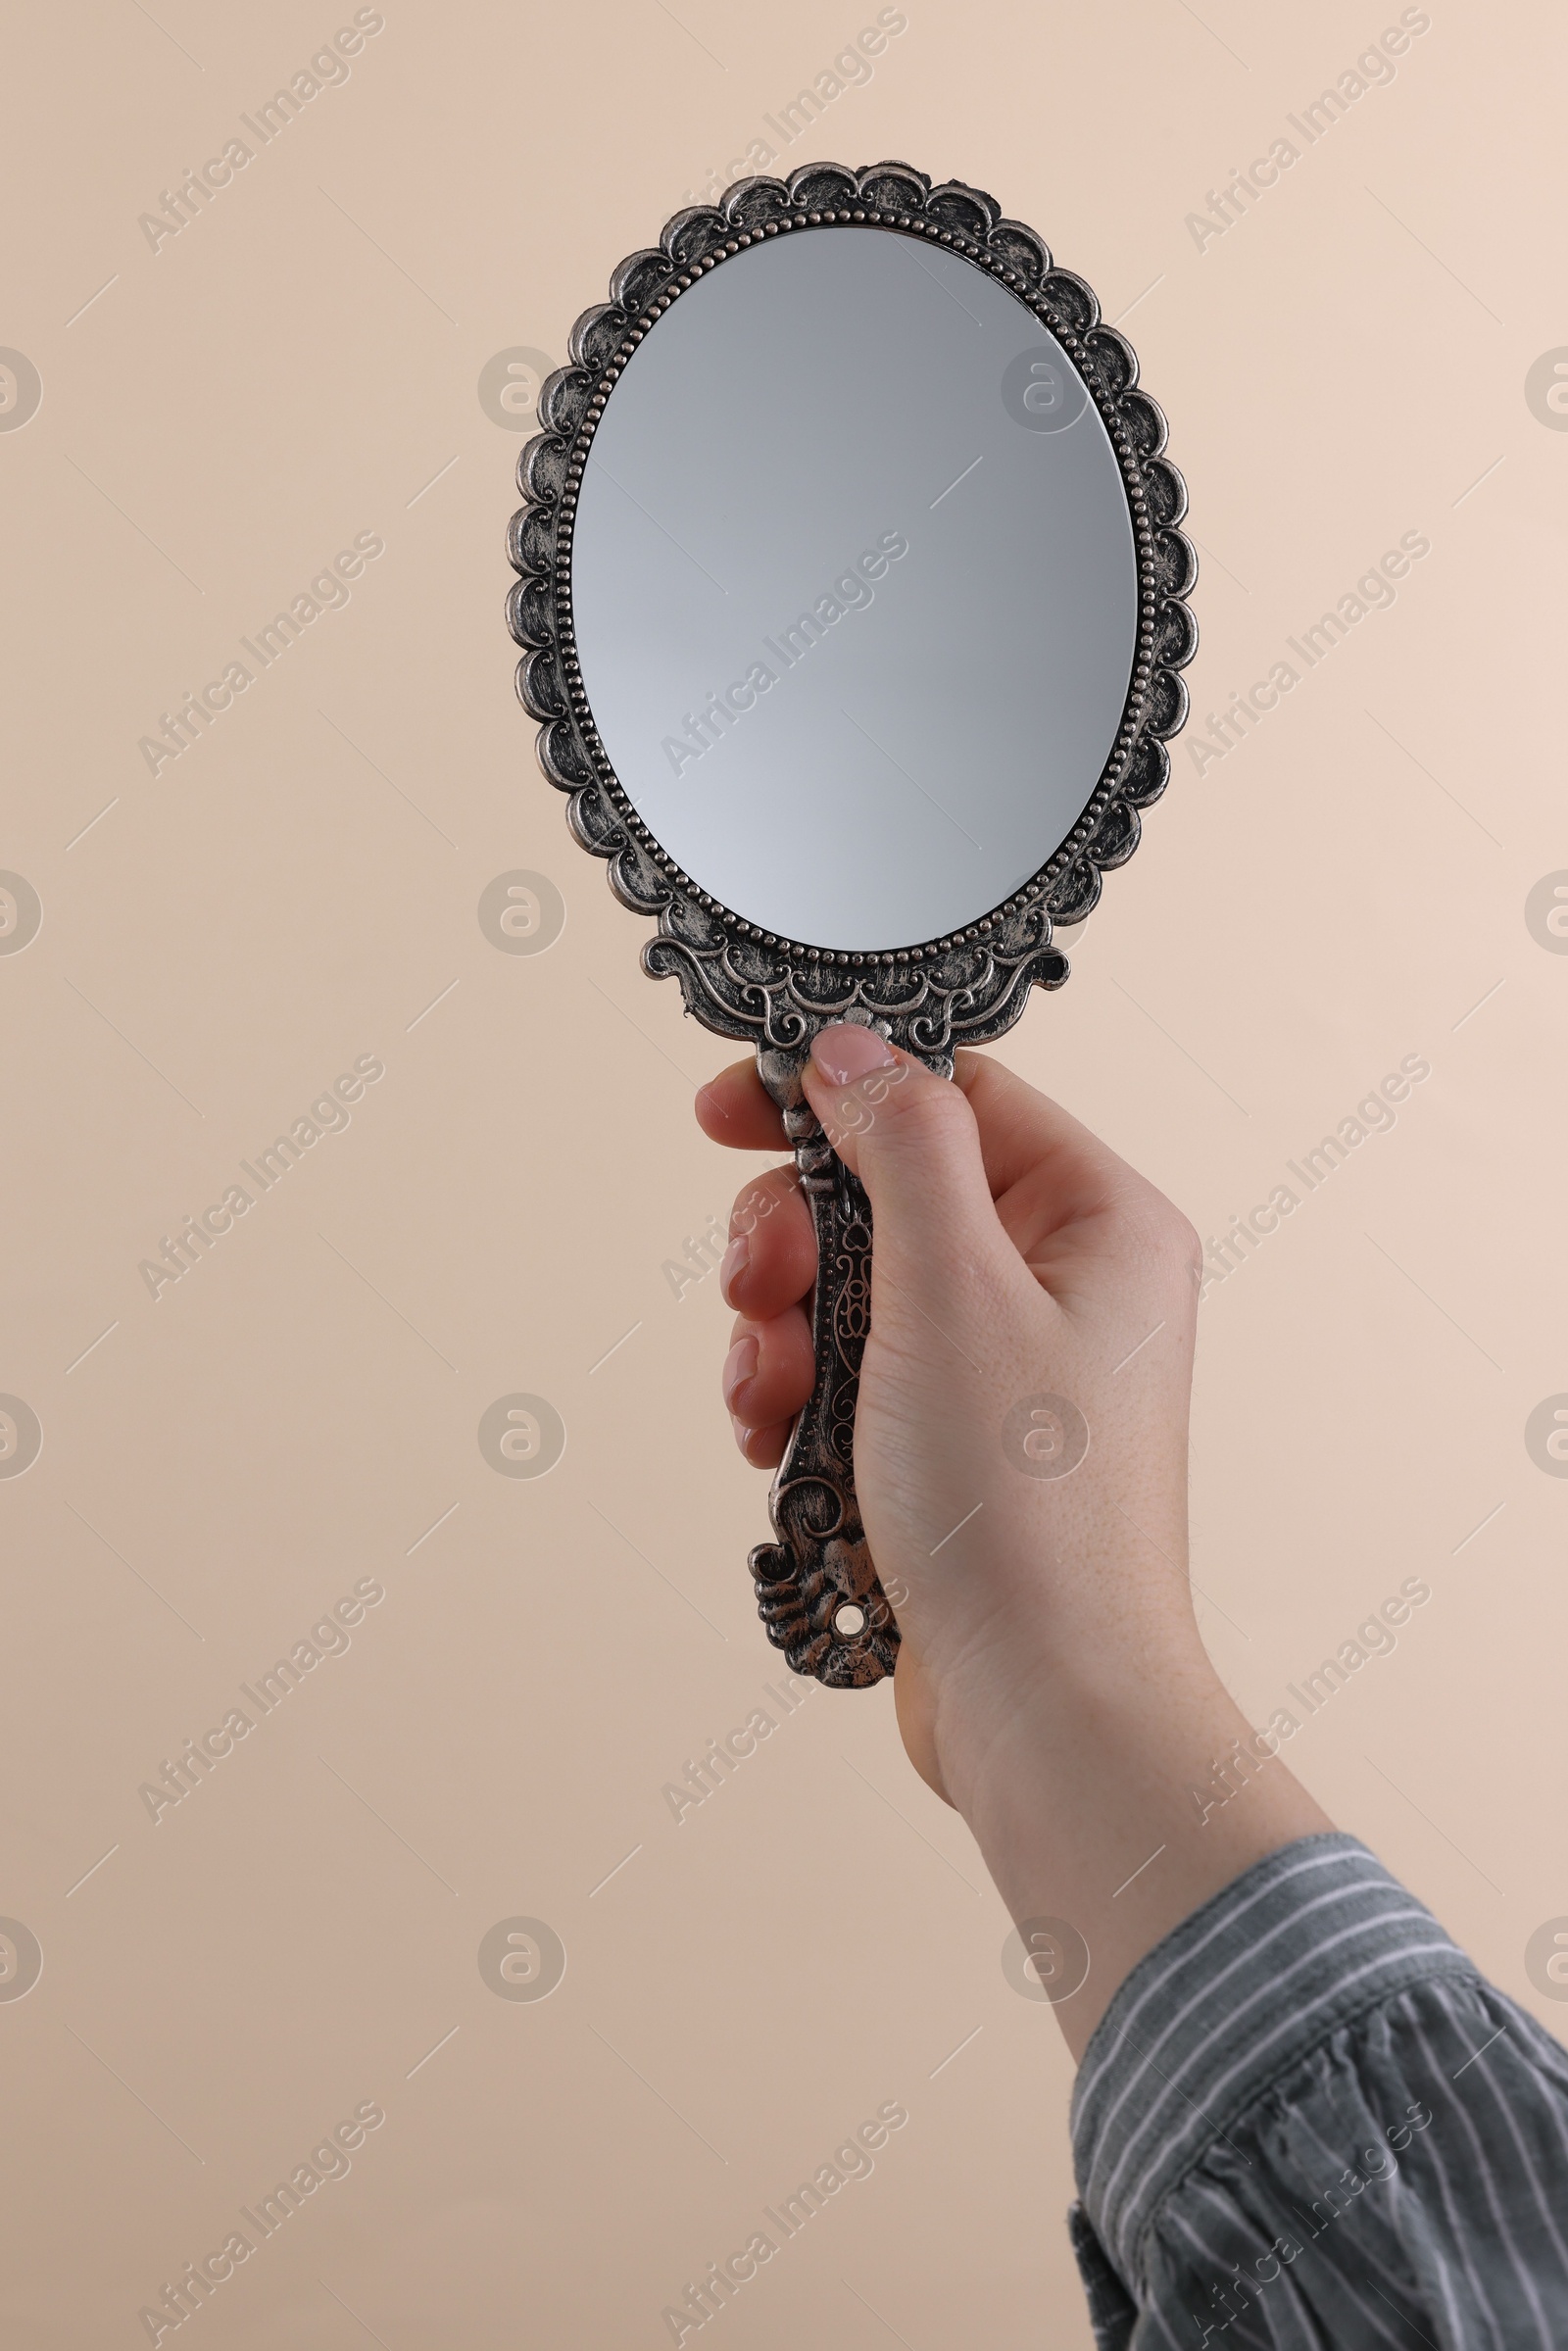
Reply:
x=852, y=606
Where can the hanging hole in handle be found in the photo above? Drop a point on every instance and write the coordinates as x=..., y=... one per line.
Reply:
x=849, y=1621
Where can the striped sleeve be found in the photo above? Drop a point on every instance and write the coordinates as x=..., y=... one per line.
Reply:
x=1306, y=2123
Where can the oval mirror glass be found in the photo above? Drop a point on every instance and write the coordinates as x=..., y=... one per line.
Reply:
x=854, y=588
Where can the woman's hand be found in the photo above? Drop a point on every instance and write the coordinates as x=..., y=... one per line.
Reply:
x=1020, y=1461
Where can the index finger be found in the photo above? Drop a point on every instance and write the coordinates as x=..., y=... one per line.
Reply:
x=736, y=1108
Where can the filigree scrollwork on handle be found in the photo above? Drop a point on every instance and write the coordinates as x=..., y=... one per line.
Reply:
x=817, y=1592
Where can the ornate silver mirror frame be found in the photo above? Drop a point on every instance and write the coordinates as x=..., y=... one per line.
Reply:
x=818, y=1591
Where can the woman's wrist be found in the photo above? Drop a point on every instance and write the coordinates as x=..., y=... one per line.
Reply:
x=1029, y=1702
x=1034, y=1637
x=1082, y=1778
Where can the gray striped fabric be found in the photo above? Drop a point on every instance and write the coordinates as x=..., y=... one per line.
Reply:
x=1306, y=2123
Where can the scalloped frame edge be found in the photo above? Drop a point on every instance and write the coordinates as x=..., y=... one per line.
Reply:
x=967, y=986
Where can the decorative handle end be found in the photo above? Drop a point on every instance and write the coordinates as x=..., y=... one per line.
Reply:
x=847, y=1642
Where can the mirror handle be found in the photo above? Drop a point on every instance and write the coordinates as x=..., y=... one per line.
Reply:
x=819, y=1568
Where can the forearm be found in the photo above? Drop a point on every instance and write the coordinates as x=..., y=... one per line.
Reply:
x=1081, y=1798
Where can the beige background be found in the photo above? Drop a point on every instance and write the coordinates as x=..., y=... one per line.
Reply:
x=300, y=364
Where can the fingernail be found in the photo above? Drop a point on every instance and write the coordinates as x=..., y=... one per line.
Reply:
x=850, y=1051
x=737, y=1258
x=739, y=1365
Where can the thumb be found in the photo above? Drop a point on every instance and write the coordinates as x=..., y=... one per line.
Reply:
x=911, y=1139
